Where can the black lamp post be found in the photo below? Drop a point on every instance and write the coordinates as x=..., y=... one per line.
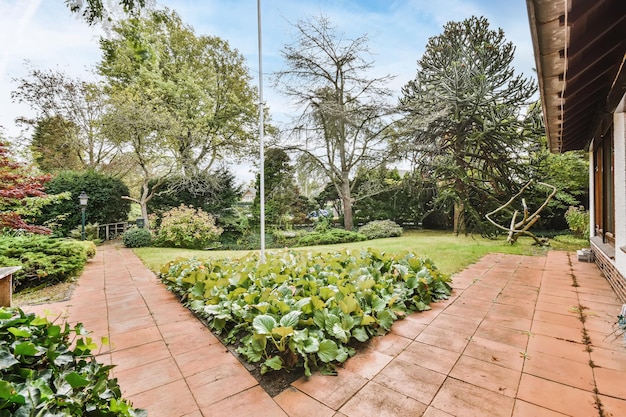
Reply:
x=83, y=198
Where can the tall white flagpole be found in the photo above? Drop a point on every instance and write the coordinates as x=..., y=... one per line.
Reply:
x=261, y=139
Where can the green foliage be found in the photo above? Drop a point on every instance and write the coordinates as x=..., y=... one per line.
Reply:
x=49, y=370
x=43, y=259
x=305, y=309
x=578, y=221
x=330, y=237
x=137, y=237
x=469, y=122
x=213, y=192
x=90, y=248
x=105, y=200
x=186, y=227
x=53, y=147
x=381, y=228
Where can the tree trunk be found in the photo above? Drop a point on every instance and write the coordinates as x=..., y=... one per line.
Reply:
x=459, y=217
x=347, y=203
x=143, y=203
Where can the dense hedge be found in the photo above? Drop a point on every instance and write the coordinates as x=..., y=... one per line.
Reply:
x=49, y=370
x=105, y=200
x=44, y=259
x=137, y=238
x=330, y=237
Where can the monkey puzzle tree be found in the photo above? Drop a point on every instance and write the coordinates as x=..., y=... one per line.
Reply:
x=343, y=108
x=468, y=118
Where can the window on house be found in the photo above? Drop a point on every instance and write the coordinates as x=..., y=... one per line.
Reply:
x=604, y=186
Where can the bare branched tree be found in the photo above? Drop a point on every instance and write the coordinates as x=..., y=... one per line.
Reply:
x=344, y=109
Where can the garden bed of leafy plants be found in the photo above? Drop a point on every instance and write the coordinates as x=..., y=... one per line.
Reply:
x=301, y=310
x=49, y=370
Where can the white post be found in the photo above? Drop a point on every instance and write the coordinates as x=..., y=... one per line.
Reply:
x=261, y=139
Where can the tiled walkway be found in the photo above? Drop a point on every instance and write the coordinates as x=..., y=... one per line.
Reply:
x=521, y=336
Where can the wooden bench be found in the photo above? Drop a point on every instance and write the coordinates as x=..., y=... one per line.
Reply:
x=6, y=285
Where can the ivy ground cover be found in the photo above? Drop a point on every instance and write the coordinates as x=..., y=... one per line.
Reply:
x=300, y=309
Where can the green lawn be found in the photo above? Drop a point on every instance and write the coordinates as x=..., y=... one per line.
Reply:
x=450, y=253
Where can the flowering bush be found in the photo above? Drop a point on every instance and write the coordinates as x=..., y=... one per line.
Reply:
x=187, y=227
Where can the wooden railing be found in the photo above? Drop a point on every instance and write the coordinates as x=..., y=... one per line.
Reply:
x=111, y=230
x=6, y=285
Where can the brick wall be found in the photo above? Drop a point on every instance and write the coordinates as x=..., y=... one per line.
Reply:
x=606, y=265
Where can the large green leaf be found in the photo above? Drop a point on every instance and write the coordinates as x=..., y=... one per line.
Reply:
x=76, y=380
x=290, y=319
x=26, y=349
x=264, y=324
x=327, y=351
x=7, y=359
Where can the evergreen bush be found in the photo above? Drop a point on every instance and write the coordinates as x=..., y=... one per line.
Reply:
x=378, y=229
x=330, y=237
x=137, y=238
x=44, y=259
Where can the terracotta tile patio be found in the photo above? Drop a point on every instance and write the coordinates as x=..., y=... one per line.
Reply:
x=511, y=341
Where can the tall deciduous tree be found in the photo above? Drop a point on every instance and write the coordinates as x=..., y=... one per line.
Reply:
x=103, y=11
x=54, y=95
x=201, y=84
x=468, y=117
x=343, y=108
x=51, y=147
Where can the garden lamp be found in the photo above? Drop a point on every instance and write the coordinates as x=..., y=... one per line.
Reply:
x=82, y=199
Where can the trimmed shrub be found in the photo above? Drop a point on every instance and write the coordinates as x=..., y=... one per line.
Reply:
x=44, y=260
x=137, y=238
x=330, y=237
x=90, y=248
x=49, y=370
x=187, y=227
x=378, y=229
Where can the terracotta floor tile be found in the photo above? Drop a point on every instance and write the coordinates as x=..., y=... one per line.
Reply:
x=514, y=300
x=510, y=322
x=145, y=377
x=555, y=330
x=204, y=358
x=434, y=412
x=389, y=344
x=425, y=317
x=128, y=312
x=557, y=299
x=569, y=309
x=297, y=404
x=196, y=413
x=367, y=364
x=524, y=409
x=567, y=320
x=557, y=397
x=486, y=375
x=609, y=358
x=573, y=351
x=503, y=335
x=462, y=399
x=130, y=325
x=462, y=325
x=411, y=380
x=135, y=338
x=252, y=402
x=407, y=328
x=431, y=357
x=460, y=309
x=333, y=391
x=375, y=400
x=140, y=355
x=187, y=327
x=610, y=382
x=219, y=382
x=446, y=339
x=493, y=352
x=185, y=342
x=168, y=400
x=522, y=312
x=560, y=370
x=613, y=407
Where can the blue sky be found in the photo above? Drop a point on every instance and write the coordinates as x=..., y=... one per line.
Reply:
x=44, y=32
